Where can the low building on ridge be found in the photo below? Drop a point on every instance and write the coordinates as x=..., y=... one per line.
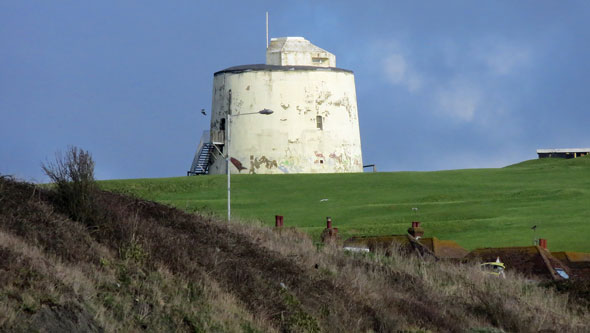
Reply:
x=563, y=153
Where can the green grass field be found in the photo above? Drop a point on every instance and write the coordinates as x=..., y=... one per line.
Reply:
x=475, y=207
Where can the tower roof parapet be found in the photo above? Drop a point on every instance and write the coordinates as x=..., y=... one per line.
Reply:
x=263, y=67
x=297, y=51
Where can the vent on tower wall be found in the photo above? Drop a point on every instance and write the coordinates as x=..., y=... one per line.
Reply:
x=319, y=122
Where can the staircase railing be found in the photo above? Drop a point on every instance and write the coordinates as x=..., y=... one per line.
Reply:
x=195, y=167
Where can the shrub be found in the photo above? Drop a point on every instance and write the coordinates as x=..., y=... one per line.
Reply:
x=73, y=176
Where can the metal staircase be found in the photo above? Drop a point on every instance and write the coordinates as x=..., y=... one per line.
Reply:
x=200, y=165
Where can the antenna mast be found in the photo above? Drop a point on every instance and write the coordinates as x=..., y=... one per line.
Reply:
x=267, y=30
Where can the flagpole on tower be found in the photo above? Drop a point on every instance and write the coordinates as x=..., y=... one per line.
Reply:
x=267, y=30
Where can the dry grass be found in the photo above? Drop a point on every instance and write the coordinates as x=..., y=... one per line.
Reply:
x=88, y=285
x=432, y=294
x=155, y=300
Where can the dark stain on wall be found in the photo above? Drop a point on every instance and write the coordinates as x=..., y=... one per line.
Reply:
x=255, y=163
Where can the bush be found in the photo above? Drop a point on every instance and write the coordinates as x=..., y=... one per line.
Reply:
x=73, y=176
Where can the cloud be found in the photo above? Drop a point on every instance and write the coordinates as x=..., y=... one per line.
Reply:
x=503, y=58
x=458, y=101
x=461, y=96
x=395, y=68
x=391, y=60
x=398, y=72
x=459, y=81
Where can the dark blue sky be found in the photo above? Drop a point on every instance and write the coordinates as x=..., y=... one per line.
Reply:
x=440, y=85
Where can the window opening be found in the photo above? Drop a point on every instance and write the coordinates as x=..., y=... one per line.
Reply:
x=319, y=122
x=222, y=124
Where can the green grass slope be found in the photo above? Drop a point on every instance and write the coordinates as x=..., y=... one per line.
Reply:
x=475, y=207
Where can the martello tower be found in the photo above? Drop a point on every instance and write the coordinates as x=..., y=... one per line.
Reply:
x=313, y=127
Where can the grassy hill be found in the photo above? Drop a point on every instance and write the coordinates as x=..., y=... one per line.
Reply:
x=475, y=207
x=129, y=265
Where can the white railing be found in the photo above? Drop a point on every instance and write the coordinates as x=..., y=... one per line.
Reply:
x=205, y=138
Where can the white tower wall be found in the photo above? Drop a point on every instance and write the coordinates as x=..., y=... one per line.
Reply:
x=289, y=140
x=314, y=126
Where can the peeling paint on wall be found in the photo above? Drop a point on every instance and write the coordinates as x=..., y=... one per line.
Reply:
x=322, y=97
x=336, y=157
